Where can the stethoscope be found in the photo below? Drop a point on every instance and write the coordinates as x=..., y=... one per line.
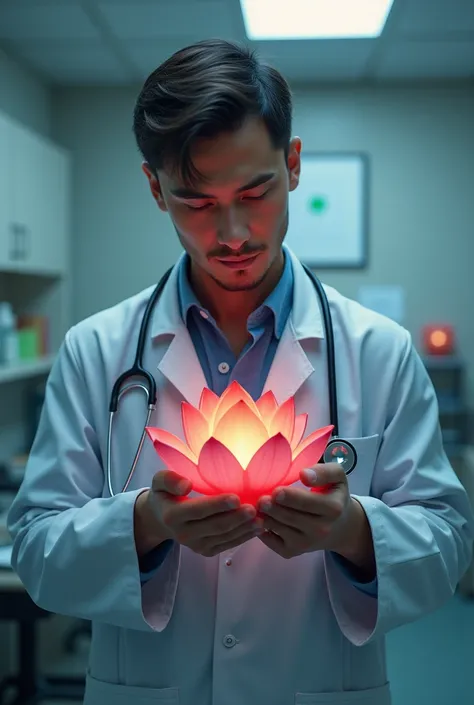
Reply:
x=337, y=450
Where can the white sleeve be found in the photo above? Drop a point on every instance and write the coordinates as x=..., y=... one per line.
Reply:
x=420, y=516
x=73, y=549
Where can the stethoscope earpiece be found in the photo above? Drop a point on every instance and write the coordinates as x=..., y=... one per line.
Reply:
x=342, y=452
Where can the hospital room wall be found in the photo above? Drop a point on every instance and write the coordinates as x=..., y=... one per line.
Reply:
x=420, y=143
x=24, y=96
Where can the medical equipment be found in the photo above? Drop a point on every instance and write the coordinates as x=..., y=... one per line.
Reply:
x=337, y=450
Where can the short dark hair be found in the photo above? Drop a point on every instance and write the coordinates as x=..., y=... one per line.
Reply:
x=204, y=90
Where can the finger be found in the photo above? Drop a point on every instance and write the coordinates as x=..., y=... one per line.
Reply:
x=272, y=541
x=232, y=543
x=293, y=517
x=300, y=508
x=292, y=497
x=297, y=526
x=295, y=498
x=288, y=534
x=199, y=508
x=323, y=475
x=222, y=523
x=279, y=539
x=169, y=481
x=250, y=528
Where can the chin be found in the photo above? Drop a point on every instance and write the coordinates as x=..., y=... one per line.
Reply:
x=238, y=280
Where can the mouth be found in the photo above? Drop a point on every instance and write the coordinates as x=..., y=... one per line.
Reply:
x=238, y=262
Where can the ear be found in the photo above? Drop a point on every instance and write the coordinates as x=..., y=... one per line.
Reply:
x=294, y=162
x=155, y=186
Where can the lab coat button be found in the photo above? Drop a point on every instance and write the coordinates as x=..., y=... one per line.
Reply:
x=229, y=641
x=223, y=367
x=228, y=561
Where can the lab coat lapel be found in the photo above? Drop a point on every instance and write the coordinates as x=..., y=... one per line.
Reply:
x=291, y=366
x=179, y=362
x=180, y=365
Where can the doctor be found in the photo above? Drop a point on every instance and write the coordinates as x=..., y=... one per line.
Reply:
x=195, y=601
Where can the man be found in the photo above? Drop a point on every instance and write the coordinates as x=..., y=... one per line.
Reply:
x=196, y=600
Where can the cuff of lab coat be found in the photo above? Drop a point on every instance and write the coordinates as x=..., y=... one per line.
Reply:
x=159, y=591
x=370, y=588
x=152, y=561
x=356, y=611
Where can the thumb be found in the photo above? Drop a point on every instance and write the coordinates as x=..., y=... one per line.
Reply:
x=169, y=481
x=323, y=476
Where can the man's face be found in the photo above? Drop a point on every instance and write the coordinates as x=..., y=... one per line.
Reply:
x=241, y=209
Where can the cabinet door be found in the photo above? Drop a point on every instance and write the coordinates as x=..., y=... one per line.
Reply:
x=50, y=247
x=9, y=241
x=40, y=202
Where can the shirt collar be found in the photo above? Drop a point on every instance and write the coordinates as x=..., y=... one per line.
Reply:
x=278, y=302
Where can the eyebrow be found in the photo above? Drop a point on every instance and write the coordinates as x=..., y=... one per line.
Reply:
x=189, y=194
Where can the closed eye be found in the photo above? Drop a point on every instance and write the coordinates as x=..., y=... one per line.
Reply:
x=198, y=208
x=244, y=198
x=254, y=198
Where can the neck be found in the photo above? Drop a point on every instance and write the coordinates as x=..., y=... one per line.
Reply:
x=234, y=307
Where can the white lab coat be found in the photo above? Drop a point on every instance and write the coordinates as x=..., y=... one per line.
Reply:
x=246, y=627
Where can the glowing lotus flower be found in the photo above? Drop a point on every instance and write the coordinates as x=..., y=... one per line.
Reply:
x=234, y=444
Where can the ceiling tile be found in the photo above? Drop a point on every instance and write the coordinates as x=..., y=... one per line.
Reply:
x=418, y=60
x=435, y=16
x=45, y=22
x=29, y=3
x=74, y=62
x=150, y=2
x=164, y=20
x=148, y=55
x=318, y=60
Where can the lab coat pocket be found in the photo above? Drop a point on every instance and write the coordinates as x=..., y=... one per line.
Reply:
x=360, y=479
x=102, y=693
x=372, y=696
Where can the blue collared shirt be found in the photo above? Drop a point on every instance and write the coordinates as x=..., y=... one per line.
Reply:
x=221, y=367
x=265, y=326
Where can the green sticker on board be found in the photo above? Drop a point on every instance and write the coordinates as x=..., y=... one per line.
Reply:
x=317, y=204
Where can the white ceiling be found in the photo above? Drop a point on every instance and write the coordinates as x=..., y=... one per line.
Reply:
x=119, y=42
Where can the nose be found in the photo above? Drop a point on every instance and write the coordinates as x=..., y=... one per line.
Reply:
x=232, y=229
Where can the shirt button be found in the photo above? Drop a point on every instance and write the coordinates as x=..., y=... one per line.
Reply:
x=223, y=367
x=229, y=641
x=204, y=314
x=228, y=561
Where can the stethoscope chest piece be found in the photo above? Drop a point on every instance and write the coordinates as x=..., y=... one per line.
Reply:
x=342, y=452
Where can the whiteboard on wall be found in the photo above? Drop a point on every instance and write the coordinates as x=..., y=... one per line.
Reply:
x=328, y=220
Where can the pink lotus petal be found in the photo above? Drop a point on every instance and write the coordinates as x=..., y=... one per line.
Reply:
x=195, y=427
x=208, y=403
x=307, y=441
x=231, y=396
x=268, y=467
x=241, y=432
x=298, y=433
x=176, y=461
x=309, y=452
x=219, y=468
x=283, y=420
x=158, y=434
x=267, y=405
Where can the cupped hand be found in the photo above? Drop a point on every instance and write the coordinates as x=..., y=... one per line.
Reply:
x=208, y=525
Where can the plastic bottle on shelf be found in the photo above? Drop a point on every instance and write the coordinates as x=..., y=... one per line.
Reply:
x=8, y=335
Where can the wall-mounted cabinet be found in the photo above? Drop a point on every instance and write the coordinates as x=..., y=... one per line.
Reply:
x=35, y=237
x=34, y=202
